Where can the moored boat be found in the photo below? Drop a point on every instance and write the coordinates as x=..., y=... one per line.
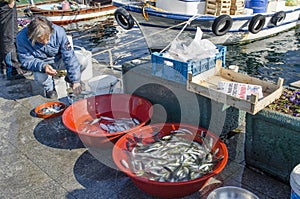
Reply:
x=162, y=21
x=70, y=11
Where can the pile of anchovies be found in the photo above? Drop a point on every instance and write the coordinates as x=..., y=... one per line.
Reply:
x=51, y=109
x=108, y=124
x=171, y=158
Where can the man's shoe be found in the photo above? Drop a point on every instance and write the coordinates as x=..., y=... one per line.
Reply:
x=51, y=94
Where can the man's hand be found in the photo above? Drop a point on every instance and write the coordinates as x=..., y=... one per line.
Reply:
x=50, y=71
x=76, y=88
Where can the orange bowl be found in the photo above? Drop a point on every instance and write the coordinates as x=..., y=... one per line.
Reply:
x=121, y=153
x=109, y=105
x=40, y=113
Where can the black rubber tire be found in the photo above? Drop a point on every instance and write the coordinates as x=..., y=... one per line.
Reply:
x=256, y=23
x=278, y=18
x=124, y=19
x=222, y=25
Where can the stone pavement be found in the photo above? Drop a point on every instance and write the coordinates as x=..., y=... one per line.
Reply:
x=40, y=158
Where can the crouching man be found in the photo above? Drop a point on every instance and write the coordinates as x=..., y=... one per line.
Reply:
x=44, y=48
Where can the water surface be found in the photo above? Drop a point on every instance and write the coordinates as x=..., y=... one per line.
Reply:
x=267, y=59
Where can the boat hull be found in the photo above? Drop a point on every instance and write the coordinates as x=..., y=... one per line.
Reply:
x=63, y=17
x=161, y=28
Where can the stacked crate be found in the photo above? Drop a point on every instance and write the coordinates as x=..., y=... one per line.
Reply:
x=217, y=7
x=237, y=7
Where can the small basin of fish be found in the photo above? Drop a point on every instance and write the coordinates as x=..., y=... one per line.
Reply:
x=170, y=160
x=50, y=109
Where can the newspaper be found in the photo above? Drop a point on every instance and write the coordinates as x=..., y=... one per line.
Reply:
x=240, y=90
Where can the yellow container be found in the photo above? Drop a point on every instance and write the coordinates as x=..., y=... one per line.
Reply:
x=291, y=2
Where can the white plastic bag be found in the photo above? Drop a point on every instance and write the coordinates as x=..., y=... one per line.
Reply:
x=198, y=49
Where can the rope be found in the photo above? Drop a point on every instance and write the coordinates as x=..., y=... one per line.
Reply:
x=155, y=33
x=187, y=23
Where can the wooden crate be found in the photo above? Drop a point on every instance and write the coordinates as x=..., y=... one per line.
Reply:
x=205, y=84
x=236, y=12
x=234, y=2
x=237, y=7
x=223, y=12
x=211, y=7
x=217, y=7
x=224, y=4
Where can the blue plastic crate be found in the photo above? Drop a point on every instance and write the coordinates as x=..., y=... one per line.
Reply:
x=176, y=70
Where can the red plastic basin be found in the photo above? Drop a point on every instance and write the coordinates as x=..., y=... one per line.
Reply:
x=109, y=105
x=167, y=189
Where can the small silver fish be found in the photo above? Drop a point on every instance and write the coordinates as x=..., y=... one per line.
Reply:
x=95, y=121
x=107, y=118
x=104, y=127
x=136, y=122
x=125, y=164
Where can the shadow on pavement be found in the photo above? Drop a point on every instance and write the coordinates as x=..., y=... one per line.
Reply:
x=52, y=132
x=99, y=180
x=18, y=89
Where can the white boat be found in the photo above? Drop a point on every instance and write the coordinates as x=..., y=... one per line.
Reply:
x=162, y=21
x=69, y=12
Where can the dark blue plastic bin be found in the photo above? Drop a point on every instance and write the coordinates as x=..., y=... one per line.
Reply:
x=258, y=6
x=177, y=71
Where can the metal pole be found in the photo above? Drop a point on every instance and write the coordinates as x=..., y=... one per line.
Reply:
x=110, y=59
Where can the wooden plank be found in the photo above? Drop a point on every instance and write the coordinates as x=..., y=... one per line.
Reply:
x=295, y=84
x=210, y=12
x=238, y=77
x=206, y=84
x=225, y=1
x=224, y=6
x=238, y=4
x=237, y=1
x=211, y=2
x=267, y=100
x=211, y=6
x=235, y=12
x=223, y=12
x=235, y=7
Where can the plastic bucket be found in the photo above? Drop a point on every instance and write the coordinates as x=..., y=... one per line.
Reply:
x=85, y=58
x=258, y=6
x=295, y=182
x=103, y=84
x=231, y=192
x=61, y=87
